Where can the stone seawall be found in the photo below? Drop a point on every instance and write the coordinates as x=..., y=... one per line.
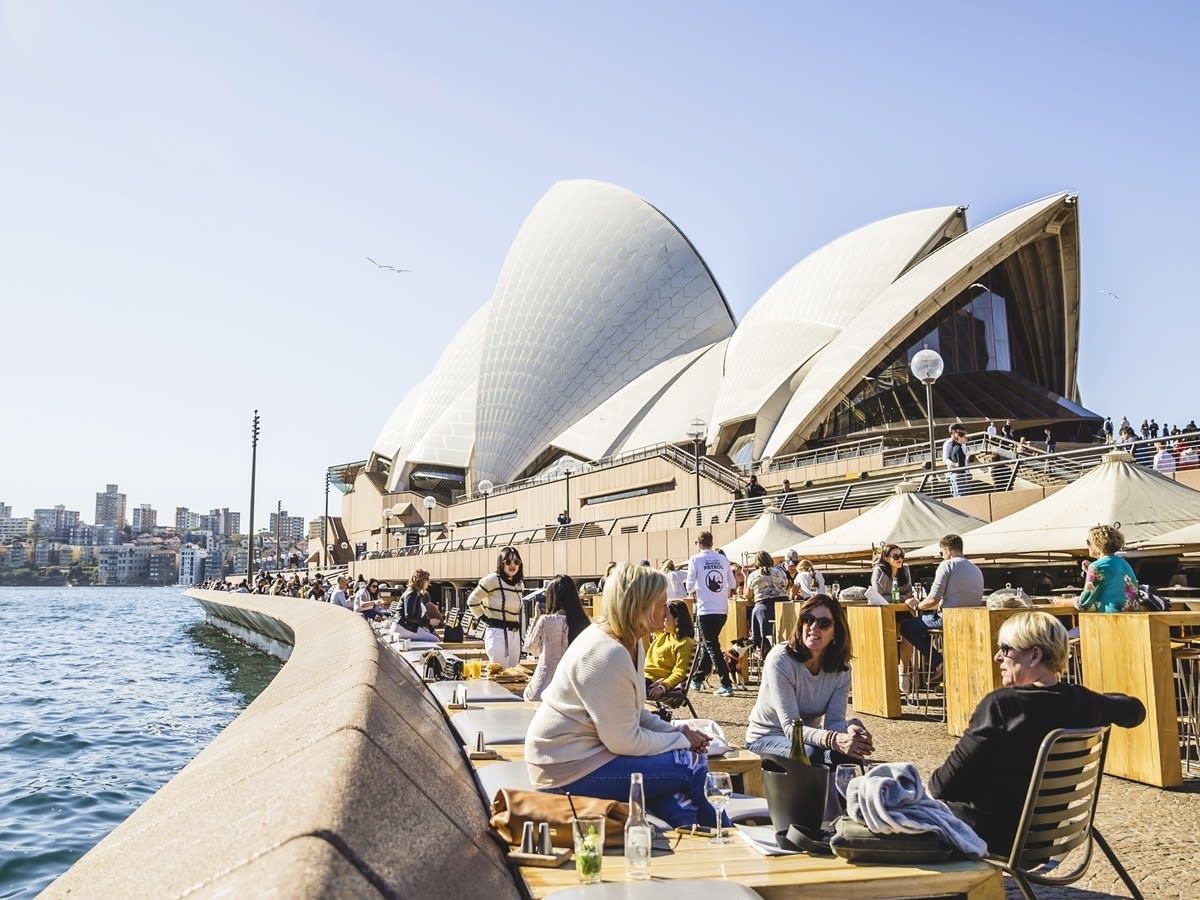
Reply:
x=341, y=779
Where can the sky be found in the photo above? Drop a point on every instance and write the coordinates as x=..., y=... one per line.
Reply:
x=189, y=192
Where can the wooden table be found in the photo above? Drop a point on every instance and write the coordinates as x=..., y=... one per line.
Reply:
x=874, y=673
x=970, y=636
x=799, y=875
x=735, y=623
x=1131, y=653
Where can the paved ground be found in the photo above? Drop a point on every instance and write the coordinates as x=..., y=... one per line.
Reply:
x=1155, y=833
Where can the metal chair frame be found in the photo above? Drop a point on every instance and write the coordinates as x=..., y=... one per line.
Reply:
x=1059, y=813
x=674, y=700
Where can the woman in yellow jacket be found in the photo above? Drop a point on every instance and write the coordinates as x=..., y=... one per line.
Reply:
x=669, y=657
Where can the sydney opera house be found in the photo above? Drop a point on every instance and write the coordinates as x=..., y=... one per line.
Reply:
x=609, y=352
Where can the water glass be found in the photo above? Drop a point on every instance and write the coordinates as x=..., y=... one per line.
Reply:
x=842, y=777
x=718, y=788
x=588, y=832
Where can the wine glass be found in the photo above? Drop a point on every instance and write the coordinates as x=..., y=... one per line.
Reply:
x=842, y=777
x=718, y=788
x=836, y=589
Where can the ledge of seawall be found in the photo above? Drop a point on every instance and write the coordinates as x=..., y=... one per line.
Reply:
x=341, y=779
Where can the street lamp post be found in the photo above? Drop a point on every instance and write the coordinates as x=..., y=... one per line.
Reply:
x=388, y=512
x=430, y=504
x=485, y=488
x=567, y=508
x=253, y=470
x=325, y=522
x=927, y=367
x=696, y=430
x=278, y=546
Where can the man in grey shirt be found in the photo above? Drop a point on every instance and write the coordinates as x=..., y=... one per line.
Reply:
x=957, y=582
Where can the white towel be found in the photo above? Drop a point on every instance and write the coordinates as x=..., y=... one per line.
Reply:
x=890, y=799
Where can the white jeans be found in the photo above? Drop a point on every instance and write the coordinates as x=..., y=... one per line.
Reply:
x=503, y=646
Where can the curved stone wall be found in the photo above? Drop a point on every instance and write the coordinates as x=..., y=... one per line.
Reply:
x=341, y=779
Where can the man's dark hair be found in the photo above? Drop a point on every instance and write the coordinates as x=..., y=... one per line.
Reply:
x=952, y=542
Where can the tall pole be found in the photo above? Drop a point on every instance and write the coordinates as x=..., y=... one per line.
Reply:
x=325, y=526
x=278, y=550
x=696, y=453
x=485, y=487
x=568, y=507
x=253, y=470
x=929, y=413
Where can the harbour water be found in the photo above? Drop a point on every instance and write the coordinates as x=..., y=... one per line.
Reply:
x=108, y=692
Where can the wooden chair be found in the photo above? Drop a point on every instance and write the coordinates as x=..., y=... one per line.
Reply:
x=1059, y=811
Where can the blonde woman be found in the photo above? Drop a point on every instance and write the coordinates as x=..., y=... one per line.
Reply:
x=809, y=580
x=593, y=731
x=1111, y=585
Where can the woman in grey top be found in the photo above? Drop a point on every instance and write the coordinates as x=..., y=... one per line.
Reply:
x=807, y=679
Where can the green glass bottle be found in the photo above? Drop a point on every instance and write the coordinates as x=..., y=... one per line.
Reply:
x=798, y=751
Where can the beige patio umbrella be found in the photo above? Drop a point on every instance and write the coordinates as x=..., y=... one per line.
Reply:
x=1139, y=501
x=773, y=532
x=1180, y=540
x=909, y=518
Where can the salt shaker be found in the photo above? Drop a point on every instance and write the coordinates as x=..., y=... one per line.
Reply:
x=545, y=848
x=527, y=838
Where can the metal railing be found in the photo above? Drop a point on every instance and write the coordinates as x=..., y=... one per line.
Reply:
x=1010, y=463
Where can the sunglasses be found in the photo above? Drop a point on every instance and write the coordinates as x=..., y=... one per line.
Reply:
x=824, y=623
x=1008, y=650
x=897, y=556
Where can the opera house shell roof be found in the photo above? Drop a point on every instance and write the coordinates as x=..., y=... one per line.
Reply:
x=607, y=333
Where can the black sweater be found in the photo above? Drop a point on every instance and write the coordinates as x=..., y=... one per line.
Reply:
x=986, y=777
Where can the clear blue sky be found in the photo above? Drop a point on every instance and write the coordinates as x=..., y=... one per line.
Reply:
x=189, y=192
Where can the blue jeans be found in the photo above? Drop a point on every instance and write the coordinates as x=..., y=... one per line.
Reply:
x=674, y=785
x=916, y=632
x=762, y=622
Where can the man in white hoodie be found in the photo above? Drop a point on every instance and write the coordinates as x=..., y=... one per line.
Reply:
x=709, y=582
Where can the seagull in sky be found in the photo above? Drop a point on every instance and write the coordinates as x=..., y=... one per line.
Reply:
x=382, y=266
x=1111, y=294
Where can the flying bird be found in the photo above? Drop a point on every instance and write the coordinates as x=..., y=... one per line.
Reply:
x=382, y=266
x=1111, y=294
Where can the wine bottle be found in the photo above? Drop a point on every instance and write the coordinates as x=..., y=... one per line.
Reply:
x=638, y=832
x=798, y=750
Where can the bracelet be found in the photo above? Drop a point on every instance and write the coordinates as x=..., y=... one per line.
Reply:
x=828, y=742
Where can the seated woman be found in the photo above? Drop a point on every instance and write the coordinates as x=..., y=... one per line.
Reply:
x=809, y=580
x=767, y=584
x=891, y=571
x=669, y=658
x=367, y=601
x=414, y=621
x=548, y=636
x=593, y=731
x=986, y=776
x=1109, y=585
x=807, y=680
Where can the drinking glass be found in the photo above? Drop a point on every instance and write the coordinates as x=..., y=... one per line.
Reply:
x=836, y=588
x=842, y=777
x=588, y=832
x=718, y=788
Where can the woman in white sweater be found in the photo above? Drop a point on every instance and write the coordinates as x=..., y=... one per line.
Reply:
x=593, y=731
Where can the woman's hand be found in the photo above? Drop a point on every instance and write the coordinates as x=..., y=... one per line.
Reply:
x=655, y=690
x=856, y=741
x=697, y=739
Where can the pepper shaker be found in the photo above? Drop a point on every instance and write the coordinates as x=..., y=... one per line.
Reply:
x=527, y=838
x=545, y=848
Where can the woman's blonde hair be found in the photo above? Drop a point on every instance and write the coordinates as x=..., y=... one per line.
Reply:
x=629, y=592
x=668, y=565
x=1030, y=629
x=1106, y=539
x=805, y=565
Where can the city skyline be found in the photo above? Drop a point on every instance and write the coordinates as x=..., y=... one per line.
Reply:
x=205, y=196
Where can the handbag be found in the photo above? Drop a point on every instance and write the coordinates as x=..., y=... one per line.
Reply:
x=796, y=792
x=718, y=744
x=854, y=841
x=512, y=808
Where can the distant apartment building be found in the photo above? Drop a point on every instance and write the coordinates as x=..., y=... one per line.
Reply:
x=82, y=534
x=145, y=519
x=16, y=556
x=15, y=528
x=106, y=535
x=69, y=554
x=290, y=528
x=222, y=521
x=185, y=519
x=191, y=564
x=5, y=511
x=45, y=554
x=110, y=508
x=124, y=564
x=316, y=529
x=56, y=524
x=163, y=567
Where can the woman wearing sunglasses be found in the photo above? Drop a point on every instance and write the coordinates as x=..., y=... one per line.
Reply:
x=497, y=601
x=986, y=777
x=807, y=680
x=892, y=572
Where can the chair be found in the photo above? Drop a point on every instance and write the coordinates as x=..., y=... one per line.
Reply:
x=1059, y=811
x=678, y=695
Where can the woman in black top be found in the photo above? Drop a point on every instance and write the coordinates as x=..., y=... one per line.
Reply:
x=986, y=777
